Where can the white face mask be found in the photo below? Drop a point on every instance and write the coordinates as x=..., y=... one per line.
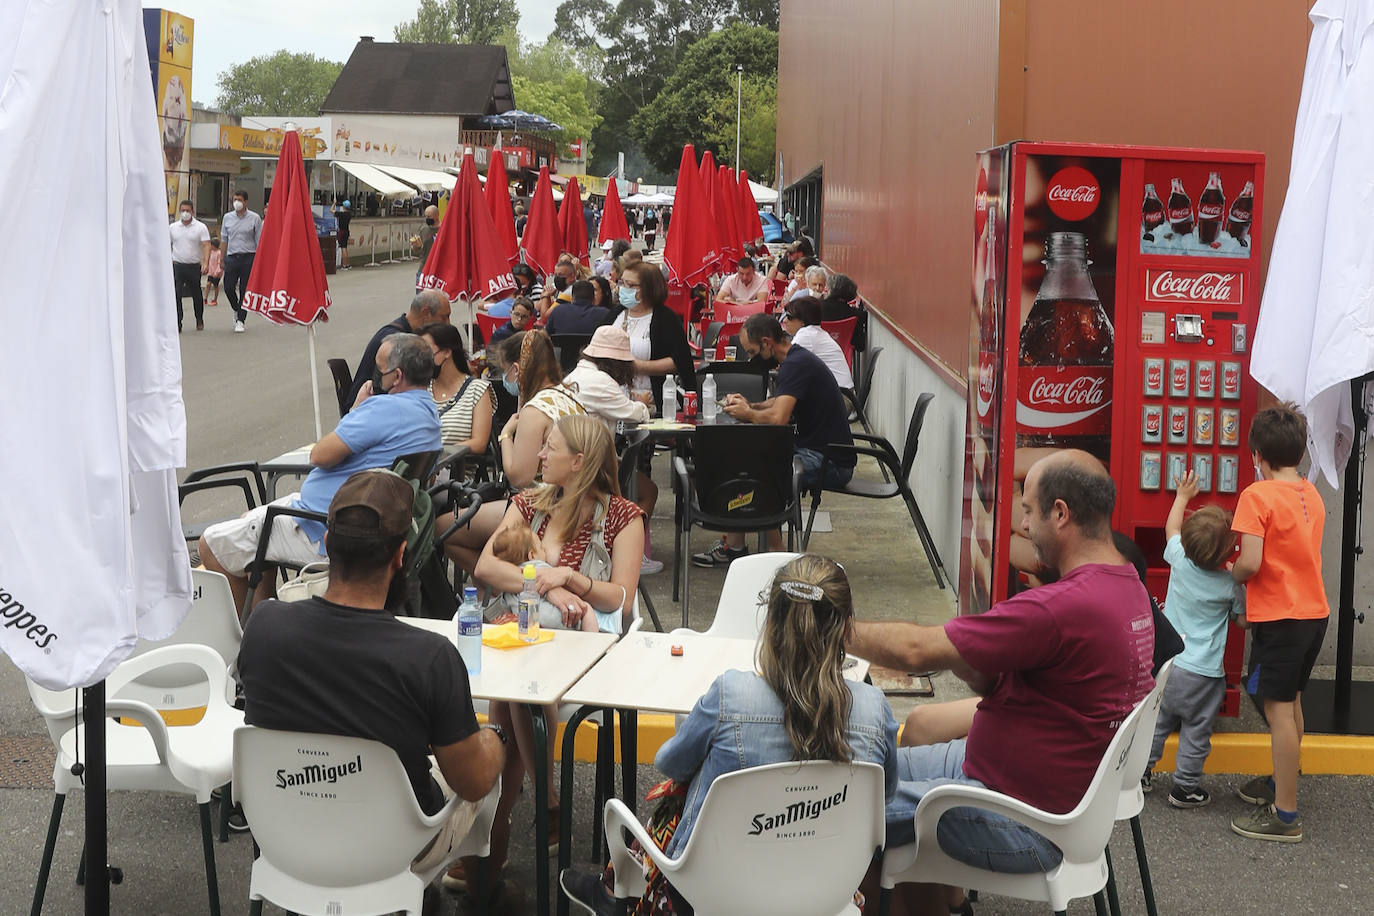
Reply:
x=185, y=216
x=238, y=206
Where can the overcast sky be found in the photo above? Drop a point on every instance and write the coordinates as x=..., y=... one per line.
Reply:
x=228, y=32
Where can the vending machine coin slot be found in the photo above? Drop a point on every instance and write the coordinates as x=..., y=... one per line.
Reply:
x=1237, y=338
x=1188, y=328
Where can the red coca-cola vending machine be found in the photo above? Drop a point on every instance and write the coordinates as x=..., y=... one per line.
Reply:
x=1114, y=292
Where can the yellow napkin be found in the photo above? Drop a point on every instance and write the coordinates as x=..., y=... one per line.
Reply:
x=507, y=636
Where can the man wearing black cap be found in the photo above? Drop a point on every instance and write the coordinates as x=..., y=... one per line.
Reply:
x=341, y=664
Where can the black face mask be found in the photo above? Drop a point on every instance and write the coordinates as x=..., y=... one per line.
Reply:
x=377, y=388
x=560, y=283
x=429, y=222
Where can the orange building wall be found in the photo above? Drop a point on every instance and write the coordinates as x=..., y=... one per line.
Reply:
x=893, y=97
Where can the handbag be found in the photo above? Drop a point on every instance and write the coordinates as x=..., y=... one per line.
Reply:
x=310, y=582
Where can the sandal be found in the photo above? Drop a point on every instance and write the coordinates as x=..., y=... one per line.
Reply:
x=457, y=880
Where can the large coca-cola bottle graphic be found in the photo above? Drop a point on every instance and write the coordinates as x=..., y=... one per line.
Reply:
x=1210, y=208
x=1180, y=209
x=1064, y=383
x=1238, y=221
x=1151, y=213
x=989, y=363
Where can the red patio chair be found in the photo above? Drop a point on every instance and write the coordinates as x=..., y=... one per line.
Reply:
x=842, y=332
x=730, y=312
x=486, y=324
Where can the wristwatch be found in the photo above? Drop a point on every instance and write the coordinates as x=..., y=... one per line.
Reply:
x=500, y=732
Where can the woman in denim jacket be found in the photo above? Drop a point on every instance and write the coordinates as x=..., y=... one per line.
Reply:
x=800, y=707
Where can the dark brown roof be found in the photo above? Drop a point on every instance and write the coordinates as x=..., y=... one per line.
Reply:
x=434, y=79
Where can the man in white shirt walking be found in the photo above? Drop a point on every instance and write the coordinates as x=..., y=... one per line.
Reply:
x=240, y=230
x=190, y=260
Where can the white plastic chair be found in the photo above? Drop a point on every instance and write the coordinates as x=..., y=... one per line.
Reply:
x=1131, y=801
x=744, y=596
x=212, y=621
x=149, y=755
x=342, y=839
x=1081, y=834
x=827, y=822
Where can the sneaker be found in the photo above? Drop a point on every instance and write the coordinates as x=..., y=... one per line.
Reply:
x=587, y=892
x=1258, y=791
x=237, y=822
x=648, y=566
x=719, y=555
x=1264, y=824
x=238, y=327
x=200, y=325
x=1147, y=782
x=1181, y=797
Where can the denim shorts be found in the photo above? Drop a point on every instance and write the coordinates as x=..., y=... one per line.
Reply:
x=811, y=460
x=970, y=835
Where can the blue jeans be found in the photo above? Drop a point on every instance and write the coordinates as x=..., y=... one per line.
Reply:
x=970, y=835
x=835, y=476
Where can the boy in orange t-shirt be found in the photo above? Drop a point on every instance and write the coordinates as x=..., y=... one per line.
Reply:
x=1279, y=520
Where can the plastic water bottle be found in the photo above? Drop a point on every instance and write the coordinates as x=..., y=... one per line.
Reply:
x=527, y=618
x=669, y=397
x=708, y=399
x=470, y=631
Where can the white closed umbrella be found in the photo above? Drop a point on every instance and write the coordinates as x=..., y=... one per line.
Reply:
x=1316, y=324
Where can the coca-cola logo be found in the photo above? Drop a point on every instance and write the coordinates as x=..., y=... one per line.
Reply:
x=1194, y=286
x=1204, y=378
x=1154, y=376
x=1209, y=211
x=987, y=382
x=1240, y=214
x=1230, y=380
x=1064, y=400
x=1180, y=377
x=1080, y=392
x=980, y=203
x=1180, y=214
x=1152, y=424
x=1178, y=422
x=1073, y=193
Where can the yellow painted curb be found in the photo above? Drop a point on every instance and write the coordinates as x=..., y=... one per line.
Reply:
x=1240, y=752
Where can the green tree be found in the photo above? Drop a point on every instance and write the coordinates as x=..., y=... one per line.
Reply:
x=464, y=22
x=277, y=85
x=697, y=103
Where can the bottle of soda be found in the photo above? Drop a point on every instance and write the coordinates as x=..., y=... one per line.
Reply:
x=989, y=363
x=1238, y=221
x=1210, y=207
x=1064, y=382
x=1151, y=213
x=527, y=617
x=1180, y=209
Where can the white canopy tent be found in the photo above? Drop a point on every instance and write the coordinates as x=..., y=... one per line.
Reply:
x=424, y=179
x=762, y=193
x=376, y=179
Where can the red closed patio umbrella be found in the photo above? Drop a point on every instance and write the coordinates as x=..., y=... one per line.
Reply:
x=691, y=250
x=753, y=226
x=572, y=222
x=287, y=285
x=613, y=224
x=498, y=203
x=727, y=218
x=543, y=238
x=466, y=261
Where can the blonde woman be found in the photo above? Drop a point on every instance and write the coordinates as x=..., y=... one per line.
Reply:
x=799, y=707
x=581, y=522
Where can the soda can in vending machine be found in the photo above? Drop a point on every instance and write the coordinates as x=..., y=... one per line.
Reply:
x=1150, y=470
x=1202, y=467
x=1178, y=424
x=1228, y=429
x=1154, y=377
x=1152, y=423
x=1178, y=378
x=1175, y=467
x=1203, y=433
x=1230, y=381
x=1205, y=379
x=1228, y=470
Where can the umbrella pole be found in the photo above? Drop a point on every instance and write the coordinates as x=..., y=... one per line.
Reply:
x=1350, y=547
x=97, y=840
x=314, y=385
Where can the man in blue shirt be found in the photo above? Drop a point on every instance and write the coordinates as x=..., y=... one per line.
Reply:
x=808, y=396
x=579, y=316
x=374, y=434
x=239, y=229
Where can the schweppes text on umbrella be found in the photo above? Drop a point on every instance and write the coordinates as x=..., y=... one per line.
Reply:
x=13, y=616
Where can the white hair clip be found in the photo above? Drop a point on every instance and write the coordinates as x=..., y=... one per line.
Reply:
x=801, y=591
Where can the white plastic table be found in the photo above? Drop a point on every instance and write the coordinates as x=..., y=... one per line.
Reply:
x=295, y=463
x=641, y=673
x=535, y=676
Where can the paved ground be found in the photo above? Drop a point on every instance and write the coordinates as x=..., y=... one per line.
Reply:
x=247, y=397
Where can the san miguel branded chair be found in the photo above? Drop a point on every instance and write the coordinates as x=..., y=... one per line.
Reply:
x=791, y=838
x=143, y=753
x=338, y=826
x=1081, y=834
x=744, y=477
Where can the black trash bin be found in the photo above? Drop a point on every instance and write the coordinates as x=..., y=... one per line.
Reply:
x=329, y=250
